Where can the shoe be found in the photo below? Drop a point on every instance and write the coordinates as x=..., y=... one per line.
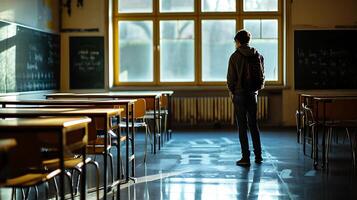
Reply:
x=259, y=160
x=243, y=162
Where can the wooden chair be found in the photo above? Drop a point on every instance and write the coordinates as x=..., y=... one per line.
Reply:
x=346, y=125
x=140, y=122
x=22, y=172
x=149, y=115
x=309, y=125
x=312, y=124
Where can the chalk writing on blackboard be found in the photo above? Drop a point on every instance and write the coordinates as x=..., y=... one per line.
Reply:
x=86, y=62
x=322, y=61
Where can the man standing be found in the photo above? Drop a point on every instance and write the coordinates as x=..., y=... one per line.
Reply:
x=246, y=68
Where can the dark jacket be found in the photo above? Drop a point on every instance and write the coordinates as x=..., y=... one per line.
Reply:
x=235, y=69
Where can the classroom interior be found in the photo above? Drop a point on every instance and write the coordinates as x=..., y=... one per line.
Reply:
x=127, y=99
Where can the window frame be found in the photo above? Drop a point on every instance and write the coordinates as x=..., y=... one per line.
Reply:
x=197, y=16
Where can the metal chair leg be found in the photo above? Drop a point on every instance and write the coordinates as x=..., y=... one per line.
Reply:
x=146, y=143
x=36, y=192
x=56, y=187
x=76, y=187
x=69, y=177
x=47, y=190
x=352, y=149
x=96, y=165
x=111, y=160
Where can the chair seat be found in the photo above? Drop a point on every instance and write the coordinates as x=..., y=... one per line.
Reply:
x=29, y=179
x=69, y=163
x=342, y=123
x=151, y=112
x=97, y=149
x=148, y=116
x=136, y=124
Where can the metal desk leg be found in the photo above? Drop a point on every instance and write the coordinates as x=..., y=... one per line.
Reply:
x=105, y=159
x=169, y=115
x=127, y=144
x=159, y=115
x=155, y=133
x=316, y=142
x=119, y=166
x=84, y=169
x=61, y=154
x=299, y=121
x=324, y=135
x=132, y=142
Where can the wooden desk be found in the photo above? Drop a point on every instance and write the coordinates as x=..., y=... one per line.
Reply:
x=153, y=95
x=57, y=127
x=314, y=99
x=106, y=114
x=324, y=100
x=75, y=103
x=308, y=98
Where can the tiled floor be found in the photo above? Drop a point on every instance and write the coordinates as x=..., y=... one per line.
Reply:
x=201, y=165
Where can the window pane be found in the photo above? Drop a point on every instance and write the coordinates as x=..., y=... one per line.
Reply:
x=217, y=46
x=260, y=5
x=253, y=26
x=135, y=51
x=135, y=6
x=177, y=51
x=270, y=28
x=265, y=39
x=218, y=5
x=176, y=6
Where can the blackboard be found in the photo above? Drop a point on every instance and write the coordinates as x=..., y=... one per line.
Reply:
x=86, y=62
x=325, y=59
x=29, y=59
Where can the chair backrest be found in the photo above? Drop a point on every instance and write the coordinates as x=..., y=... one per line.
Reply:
x=140, y=109
x=308, y=114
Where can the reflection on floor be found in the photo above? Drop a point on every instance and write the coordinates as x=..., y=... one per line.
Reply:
x=201, y=165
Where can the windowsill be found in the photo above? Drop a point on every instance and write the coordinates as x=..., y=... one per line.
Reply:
x=191, y=88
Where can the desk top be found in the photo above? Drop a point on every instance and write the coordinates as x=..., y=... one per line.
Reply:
x=43, y=123
x=66, y=102
x=333, y=98
x=119, y=94
x=6, y=144
x=328, y=95
x=36, y=112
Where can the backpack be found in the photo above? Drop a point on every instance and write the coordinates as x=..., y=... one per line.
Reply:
x=253, y=72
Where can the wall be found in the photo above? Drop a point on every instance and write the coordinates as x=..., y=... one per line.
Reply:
x=91, y=16
x=310, y=14
x=300, y=13
x=40, y=14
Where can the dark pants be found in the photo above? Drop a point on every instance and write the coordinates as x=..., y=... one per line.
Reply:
x=245, y=106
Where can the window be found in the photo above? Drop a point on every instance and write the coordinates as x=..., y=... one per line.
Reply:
x=135, y=6
x=265, y=40
x=177, y=51
x=217, y=46
x=135, y=51
x=176, y=6
x=260, y=5
x=218, y=5
x=189, y=42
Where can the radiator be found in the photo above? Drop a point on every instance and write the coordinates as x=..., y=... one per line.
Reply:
x=194, y=110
